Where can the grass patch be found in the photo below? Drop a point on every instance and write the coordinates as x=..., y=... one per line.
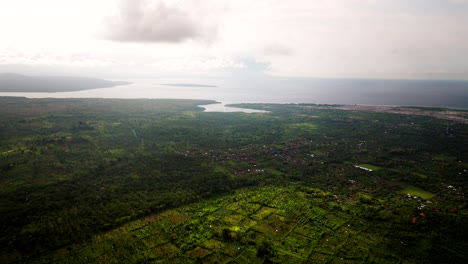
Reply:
x=274, y=172
x=7, y=152
x=301, y=128
x=444, y=158
x=420, y=175
x=418, y=192
x=304, y=126
x=368, y=166
x=220, y=169
x=318, y=152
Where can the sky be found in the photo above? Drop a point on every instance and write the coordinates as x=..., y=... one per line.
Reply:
x=390, y=39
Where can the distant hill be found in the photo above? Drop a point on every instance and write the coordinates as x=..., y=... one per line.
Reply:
x=12, y=82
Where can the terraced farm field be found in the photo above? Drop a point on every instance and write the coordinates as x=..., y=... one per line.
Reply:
x=289, y=224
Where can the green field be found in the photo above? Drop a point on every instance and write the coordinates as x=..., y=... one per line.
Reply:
x=290, y=224
x=420, y=175
x=368, y=166
x=412, y=190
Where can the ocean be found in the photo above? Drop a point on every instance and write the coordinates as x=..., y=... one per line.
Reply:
x=429, y=93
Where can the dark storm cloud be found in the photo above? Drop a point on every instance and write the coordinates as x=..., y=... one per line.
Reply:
x=141, y=21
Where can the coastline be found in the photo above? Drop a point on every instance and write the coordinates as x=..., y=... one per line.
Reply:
x=451, y=114
x=456, y=115
x=446, y=113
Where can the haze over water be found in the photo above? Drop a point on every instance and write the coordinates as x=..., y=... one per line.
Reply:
x=452, y=94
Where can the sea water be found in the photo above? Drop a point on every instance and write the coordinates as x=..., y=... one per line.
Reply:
x=451, y=94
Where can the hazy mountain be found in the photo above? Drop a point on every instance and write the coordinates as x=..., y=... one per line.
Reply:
x=11, y=82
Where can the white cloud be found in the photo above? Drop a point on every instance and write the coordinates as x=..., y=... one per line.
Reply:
x=162, y=21
x=458, y=1
x=13, y=57
x=357, y=39
x=320, y=38
x=197, y=64
x=276, y=49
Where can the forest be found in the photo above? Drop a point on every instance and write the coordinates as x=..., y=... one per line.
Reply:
x=159, y=180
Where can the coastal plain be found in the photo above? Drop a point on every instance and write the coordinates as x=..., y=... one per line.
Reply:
x=158, y=180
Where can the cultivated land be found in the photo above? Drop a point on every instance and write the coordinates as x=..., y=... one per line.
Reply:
x=157, y=181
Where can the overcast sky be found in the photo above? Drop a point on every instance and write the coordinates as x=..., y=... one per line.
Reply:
x=415, y=39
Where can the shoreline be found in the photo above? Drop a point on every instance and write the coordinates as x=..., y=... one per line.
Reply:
x=446, y=113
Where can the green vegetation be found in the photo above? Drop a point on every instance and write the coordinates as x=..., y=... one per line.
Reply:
x=284, y=224
x=412, y=190
x=371, y=167
x=419, y=174
x=108, y=180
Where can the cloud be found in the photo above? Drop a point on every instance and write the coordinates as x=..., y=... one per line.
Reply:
x=198, y=64
x=159, y=21
x=276, y=50
x=321, y=38
x=13, y=57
